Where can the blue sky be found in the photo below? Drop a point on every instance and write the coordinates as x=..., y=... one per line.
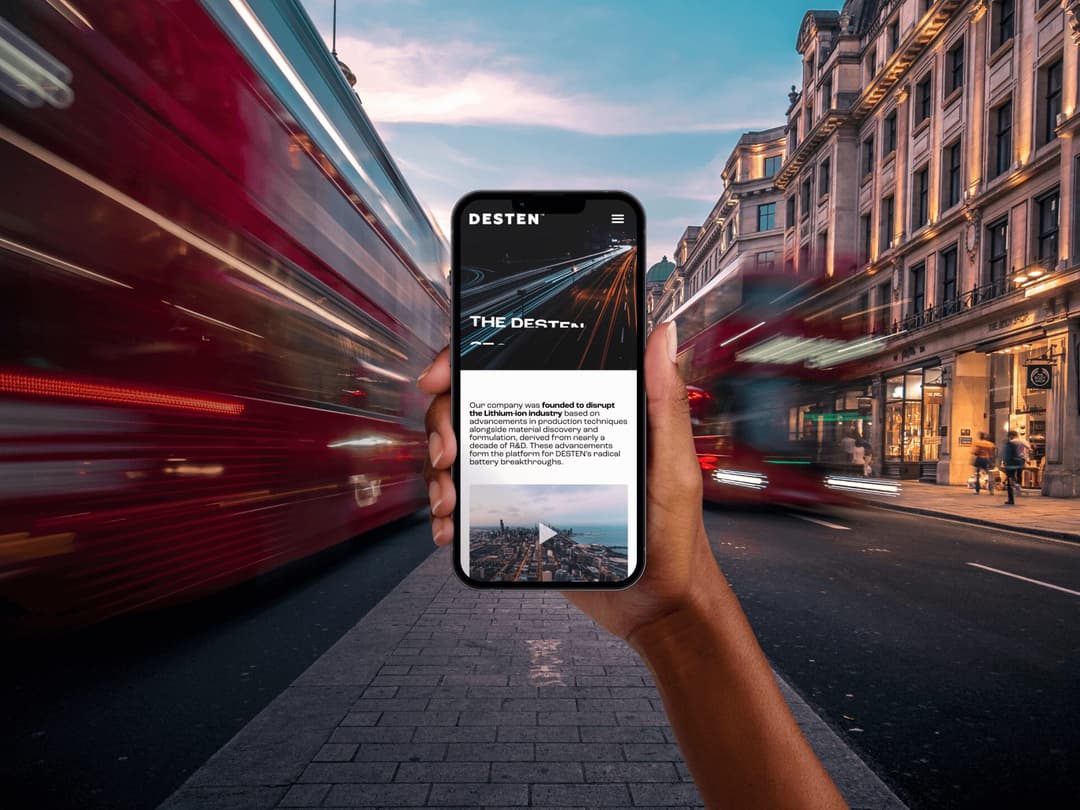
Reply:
x=644, y=97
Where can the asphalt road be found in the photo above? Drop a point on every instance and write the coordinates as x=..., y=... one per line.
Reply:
x=959, y=685
x=119, y=715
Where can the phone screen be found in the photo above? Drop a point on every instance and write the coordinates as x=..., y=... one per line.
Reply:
x=548, y=345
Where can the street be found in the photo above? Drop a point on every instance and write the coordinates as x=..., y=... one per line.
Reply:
x=956, y=683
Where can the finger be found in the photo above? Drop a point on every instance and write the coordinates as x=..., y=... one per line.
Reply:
x=442, y=531
x=671, y=442
x=442, y=445
x=441, y=494
x=435, y=379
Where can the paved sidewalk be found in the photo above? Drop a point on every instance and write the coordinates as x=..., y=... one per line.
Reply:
x=1048, y=517
x=446, y=696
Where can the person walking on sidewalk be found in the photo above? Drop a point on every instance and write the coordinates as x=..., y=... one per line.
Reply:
x=1013, y=457
x=740, y=740
x=983, y=459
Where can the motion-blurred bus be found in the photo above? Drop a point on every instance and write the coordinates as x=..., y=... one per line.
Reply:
x=216, y=292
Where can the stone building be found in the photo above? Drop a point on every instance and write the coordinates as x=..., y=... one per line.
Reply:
x=743, y=231
x=931, y=170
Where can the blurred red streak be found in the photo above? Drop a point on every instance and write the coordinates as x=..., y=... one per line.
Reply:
x=40, y=386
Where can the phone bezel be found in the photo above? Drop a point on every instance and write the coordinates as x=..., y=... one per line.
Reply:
x=540, y=202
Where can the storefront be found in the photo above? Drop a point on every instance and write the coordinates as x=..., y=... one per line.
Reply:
x=913, y=402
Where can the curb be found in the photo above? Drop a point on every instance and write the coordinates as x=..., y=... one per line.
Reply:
x=1070, y=537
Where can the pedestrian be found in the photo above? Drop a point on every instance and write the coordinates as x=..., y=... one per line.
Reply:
x=1013, y=458
x=741, y=743
x=858, y=454
x=847, y=446
x=982, y=450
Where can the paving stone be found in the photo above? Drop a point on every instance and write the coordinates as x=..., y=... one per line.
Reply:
x=629, y=734
x=536, y=772
x=585, y=795
x=479, y=795
x=641, y=718
x=537, y=733
x=371, y=734
x=400, y=752
x=630, y=772
x=396, y=795
x=304, y=796
x=394, y=704
x=683, y=794
x=579, y=752
x=334, y=772
x=418, y=719
x=443, y=772
x=498, y=718
x=576, y=718
x=336, y=752
x=490, y=752
x=668, y=752
x=455, y=734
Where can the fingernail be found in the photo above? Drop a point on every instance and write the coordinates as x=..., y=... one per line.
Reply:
x=424, y=373
x=438, y=534
x=435, y=448
x=672, y=341
x=434, y=492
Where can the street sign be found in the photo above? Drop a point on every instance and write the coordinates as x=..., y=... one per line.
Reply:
x=1039, y=377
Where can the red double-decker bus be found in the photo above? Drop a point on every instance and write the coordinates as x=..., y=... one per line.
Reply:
x=216, y=291
x=758, y=375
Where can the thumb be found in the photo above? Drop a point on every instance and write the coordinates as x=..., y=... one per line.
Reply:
x=674, y=473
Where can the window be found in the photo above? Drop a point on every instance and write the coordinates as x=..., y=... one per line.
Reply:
x=917, y=291
x=794, y=130
x=826, y=94
x=953, y=176
x=1047, y=244
x=997, y=255
x=947, y=267
x=729, y=232
x=766, y=260
x=889, y=145
x=954, y=68
x=871, y=64
x=804, y=258
x=894, y=36
x=772, y=165
x=1001, y=139
x=883, y=310
x=888, y=209
x=766, y=216
x=868, y=156
x=920, y=199
x=1050, y=82
x=825, y=178
x=804, y=202
x=790, y=212
x=924, y=100
x=866, y=233
x=1002, y=22
x=823, y=250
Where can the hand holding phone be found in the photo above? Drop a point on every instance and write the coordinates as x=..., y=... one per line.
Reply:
x=548, y=402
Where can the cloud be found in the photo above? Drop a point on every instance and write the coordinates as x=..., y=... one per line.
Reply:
x=459, y=83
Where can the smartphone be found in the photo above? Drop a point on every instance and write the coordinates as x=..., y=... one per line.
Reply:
x=548, y=389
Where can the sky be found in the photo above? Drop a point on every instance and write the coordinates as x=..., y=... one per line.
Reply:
x=561, y=506
x=645, y=97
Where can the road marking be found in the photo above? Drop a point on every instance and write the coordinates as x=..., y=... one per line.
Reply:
x=824, y=523
x=1025, y=579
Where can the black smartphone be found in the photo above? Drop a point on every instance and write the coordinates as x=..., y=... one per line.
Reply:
x=548, y=389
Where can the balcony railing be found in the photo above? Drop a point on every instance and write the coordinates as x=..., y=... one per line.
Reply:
x=975, y=297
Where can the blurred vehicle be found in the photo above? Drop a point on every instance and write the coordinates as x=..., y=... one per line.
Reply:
x=757, y=377
x=216, y=291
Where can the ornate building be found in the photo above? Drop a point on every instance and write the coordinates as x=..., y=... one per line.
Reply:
x=744, y=230
x=932, y=171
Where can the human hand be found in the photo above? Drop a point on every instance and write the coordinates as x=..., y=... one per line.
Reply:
x=680, y=566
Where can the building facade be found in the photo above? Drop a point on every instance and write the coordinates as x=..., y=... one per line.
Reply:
x=932, y=171
x=743, y=230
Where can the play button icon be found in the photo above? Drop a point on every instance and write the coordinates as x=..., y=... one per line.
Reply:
x=546, y=532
